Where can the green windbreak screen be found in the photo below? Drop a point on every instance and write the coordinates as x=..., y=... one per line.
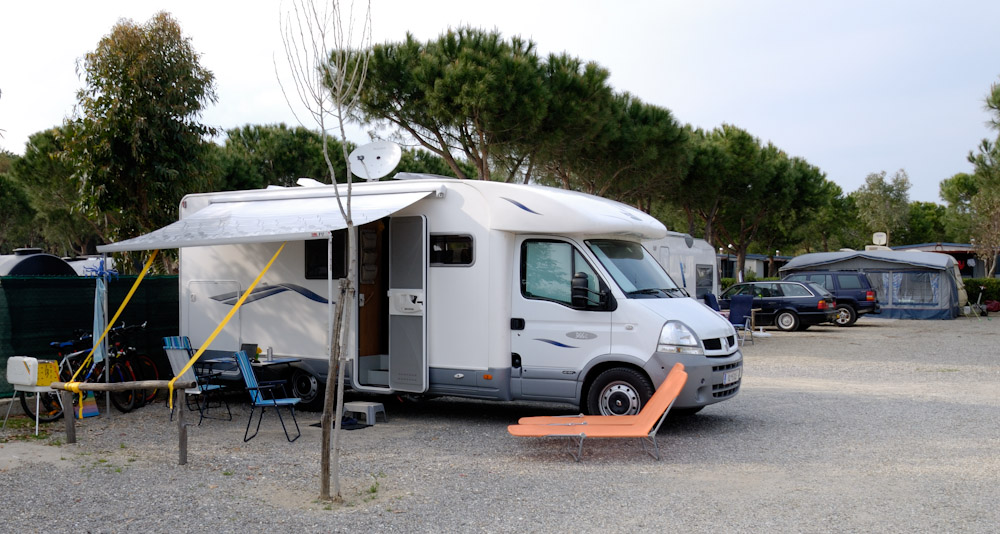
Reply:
x=37, y=310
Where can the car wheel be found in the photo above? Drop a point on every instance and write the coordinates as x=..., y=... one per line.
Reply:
x=787, y=321
x=618, y=391
x=846, y=316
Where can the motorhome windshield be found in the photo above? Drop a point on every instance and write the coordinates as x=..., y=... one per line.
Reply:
x=634, y=270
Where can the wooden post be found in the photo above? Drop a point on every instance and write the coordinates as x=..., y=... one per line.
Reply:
x=67, y=405
x=182, y=430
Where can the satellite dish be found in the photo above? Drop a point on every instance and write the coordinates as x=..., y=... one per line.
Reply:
x=878, y=238
x=375, y=160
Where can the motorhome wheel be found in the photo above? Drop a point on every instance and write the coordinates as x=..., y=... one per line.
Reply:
x=618, y=391
x=307, y=387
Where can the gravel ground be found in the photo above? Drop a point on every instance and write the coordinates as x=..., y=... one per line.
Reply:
x=889, y=426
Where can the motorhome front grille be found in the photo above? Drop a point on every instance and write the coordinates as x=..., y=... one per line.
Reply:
x=734, y=365
x=716, y=344
x=720, y=391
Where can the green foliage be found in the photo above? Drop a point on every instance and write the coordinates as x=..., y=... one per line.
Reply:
x=470, y=94
x=746, y=190
x=16, y=218
x=990, y=288
x=924, y=224
x=137, y=145
x=256, y=156
x=882, y=204
x=53, y=192
x=422, y=161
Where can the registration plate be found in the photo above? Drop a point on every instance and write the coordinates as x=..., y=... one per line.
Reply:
x=732, y=376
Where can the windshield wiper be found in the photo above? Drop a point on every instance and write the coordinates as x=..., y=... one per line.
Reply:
x=647, y=291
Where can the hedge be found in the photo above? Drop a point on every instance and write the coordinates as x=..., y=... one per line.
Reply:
x=991, y=289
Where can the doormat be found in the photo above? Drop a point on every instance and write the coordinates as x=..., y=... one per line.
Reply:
x=89, y=406
x=347, y=423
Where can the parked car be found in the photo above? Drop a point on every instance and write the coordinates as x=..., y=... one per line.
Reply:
x=852, y=290
x=787, y=305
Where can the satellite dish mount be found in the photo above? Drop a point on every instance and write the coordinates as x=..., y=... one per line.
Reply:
x=375, y=160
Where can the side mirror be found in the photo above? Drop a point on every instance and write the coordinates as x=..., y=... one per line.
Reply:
x=580, y=285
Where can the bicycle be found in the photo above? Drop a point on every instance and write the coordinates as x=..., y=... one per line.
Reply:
x=123, y=360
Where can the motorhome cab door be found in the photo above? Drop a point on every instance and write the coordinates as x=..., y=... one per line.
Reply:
x=551, y=339
x=407, y=304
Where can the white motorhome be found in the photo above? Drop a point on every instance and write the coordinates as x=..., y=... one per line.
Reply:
x=689, y=261
x=466, y=288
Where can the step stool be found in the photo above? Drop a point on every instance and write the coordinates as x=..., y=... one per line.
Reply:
x=370, y=409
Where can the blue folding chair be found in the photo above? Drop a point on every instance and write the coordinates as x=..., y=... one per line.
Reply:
x=740, y=316
x=179, y=352
x=711, y=301
x=264, y=395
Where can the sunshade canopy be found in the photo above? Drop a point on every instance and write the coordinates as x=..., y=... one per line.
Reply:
x=261, y=221
x=869, y=259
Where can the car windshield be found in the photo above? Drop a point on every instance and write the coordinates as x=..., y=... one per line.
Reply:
x=634, y=270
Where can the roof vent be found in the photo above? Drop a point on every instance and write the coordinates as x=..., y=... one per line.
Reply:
x=27, y=251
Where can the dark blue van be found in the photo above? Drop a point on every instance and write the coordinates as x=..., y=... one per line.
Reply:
x=853, y=291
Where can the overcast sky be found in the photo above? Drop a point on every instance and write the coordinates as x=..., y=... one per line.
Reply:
x=852, y=87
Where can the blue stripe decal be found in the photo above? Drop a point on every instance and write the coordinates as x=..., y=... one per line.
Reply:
x=231, y=297
x=556, y=343
x=522, y=206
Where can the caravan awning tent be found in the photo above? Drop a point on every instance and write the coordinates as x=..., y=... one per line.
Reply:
x=262, y=221
x=910, y=285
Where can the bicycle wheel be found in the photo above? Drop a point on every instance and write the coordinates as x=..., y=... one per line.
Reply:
x=144, y=369
x=125, y=400
x=49, y=408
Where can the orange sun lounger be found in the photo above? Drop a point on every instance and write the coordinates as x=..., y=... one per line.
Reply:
x=642, y=425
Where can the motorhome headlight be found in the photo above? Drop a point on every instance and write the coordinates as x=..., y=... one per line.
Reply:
x=678, y=338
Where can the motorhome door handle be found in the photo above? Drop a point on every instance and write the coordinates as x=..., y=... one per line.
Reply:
x=517, y=324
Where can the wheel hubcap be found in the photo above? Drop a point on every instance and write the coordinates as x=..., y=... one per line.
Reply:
x=305, y=386
x=619, y=399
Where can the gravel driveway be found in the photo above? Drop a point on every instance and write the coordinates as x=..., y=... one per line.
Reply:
x=888, y=426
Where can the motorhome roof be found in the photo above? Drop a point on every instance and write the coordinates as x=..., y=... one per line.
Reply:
x=280, y=214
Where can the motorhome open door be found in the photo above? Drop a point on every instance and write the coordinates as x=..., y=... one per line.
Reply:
x=407, y=304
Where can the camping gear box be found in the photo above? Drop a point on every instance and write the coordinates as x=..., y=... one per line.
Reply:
x=28, y=371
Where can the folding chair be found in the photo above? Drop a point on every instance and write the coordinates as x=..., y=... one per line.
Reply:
x=179, y=352
x=711, y=301
x=740, y=315
x=263, y=395
x=643, y=425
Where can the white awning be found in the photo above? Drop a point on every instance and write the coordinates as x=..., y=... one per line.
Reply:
x=262, y=221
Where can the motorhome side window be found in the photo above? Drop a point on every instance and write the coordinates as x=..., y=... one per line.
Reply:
x=316, y=254
x=451, y=250
x=547, y=269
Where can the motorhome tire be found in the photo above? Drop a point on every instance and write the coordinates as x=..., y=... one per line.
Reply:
x=618, y=391
x=310, y=389
x=846, y=316
x=787, y=321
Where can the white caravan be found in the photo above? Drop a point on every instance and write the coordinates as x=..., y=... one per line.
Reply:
x=466, y=288
x=691, y=262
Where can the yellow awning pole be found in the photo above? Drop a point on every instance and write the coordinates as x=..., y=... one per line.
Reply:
x=107, y=327
x=219, y=328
